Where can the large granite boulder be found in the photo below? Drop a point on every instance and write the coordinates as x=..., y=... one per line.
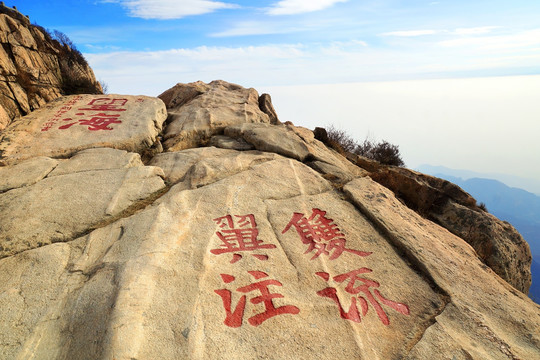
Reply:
x=198, y=110
x=73, y=123
x=267, y=245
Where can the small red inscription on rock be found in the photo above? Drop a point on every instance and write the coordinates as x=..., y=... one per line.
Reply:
x=98, y=114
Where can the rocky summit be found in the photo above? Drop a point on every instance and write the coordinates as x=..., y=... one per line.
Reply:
x=240, y=237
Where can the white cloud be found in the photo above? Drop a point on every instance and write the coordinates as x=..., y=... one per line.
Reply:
x=524, y=39
x=480, y=30
x=255, y=28
x=290, y=7
x=475, y=30
x=410, y=33
x=339, y=61
x=172, y=9
x=152, y=72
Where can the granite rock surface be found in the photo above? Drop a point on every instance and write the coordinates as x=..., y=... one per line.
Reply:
x=244, y=237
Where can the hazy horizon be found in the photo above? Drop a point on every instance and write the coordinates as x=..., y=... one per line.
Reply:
x=487, y=125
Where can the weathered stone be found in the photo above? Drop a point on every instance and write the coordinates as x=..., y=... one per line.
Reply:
x=265, y=104
x=97, y=159
x=203, y=166
x=201, y=111
x=59, y=208
x=265, y=137
x=4, y=118
x=226, y=142
x=485, y=317
x=181, y=94
x=156, y=281
x=497, y=243
x=26, y=173
x=79, y=122
x=165, y=273
x=34, y=68
x=297, y=143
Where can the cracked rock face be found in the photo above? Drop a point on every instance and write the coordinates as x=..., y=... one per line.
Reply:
x=34, y=69
x=282, y=249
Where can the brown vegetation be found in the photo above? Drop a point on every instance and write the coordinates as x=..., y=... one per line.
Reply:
x=382, y=152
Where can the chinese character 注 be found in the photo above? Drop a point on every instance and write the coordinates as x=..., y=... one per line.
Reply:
x=233, y=318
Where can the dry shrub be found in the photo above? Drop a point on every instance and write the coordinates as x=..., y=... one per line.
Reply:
x=341, y=141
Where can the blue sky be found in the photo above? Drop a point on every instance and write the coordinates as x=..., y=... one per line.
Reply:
x=453, y=82
x=296, y=41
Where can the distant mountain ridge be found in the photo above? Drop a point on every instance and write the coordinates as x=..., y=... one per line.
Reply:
x=531, y=185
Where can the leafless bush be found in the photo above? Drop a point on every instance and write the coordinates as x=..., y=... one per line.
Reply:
x=383, y=151
x=340, y=137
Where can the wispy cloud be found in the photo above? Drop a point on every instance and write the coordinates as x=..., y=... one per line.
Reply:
x=480, y=30
x=524, y=39
x=245, y=28
x=290, y=7
x=410, y=33
x=171, y=9
x=475, y=30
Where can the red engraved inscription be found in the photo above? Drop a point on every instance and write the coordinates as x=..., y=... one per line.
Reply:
x=67, y=106
x=360, y=294
x=106, y=104
x=321, y=235
x=100, y=121
x=234, y=318
x=239, y=234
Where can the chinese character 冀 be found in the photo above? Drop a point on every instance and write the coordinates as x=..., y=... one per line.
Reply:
x=321, y=235
x=239, y=237
x=233, y=318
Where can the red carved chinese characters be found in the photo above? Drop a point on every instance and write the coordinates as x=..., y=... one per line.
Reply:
x=360, y=293
x=239, y=233
x=321, y=235
x=106, y=104
x=234, y=318
x=98, y=114
x=64, y=109
x=99, y=122
x=239, y=236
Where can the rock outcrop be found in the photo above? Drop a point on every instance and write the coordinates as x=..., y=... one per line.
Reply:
x=496, y=242
x=35, y=69
x=241, y=238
